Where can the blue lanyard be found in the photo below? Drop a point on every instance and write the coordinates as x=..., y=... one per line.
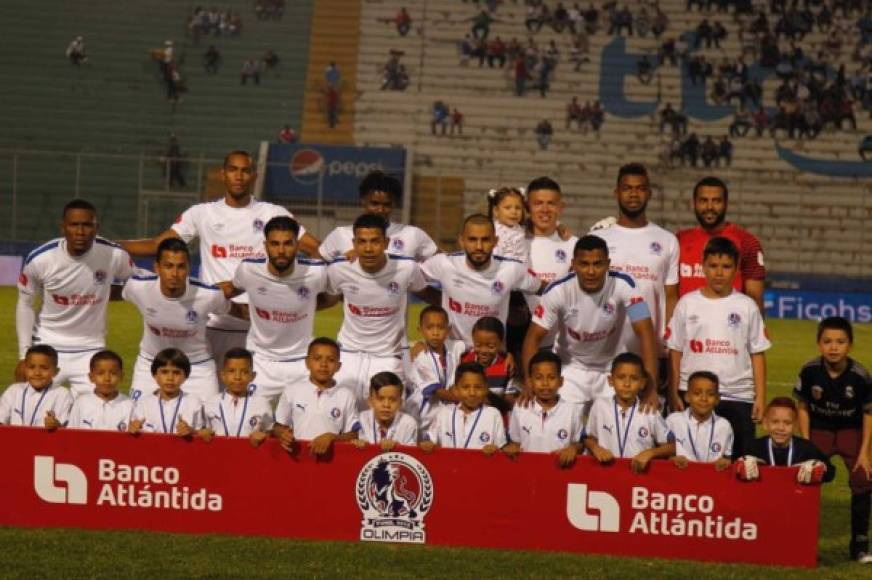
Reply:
x=375, y=431
x=789, y=453
x=711, y=438
x=622, y=444
x=163, y=420
x=241, y=421
x=35, y=409
x=443, y=377
x=469, y=433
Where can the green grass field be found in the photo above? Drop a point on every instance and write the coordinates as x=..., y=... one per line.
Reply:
x=72, y=553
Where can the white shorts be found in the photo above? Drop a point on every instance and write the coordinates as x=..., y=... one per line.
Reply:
x=74, y=368
x=220, y=341
x=582, y=385
x=202, y=382
x=359, y=367
x=274, y=375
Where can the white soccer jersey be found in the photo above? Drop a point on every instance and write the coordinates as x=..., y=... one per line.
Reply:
x=624, y=432
x=536, y=429
x=551, y=256
x=650, y=255
x=74, y=291
x=702, y=441
x=93, y=412
x=408, y=241
x=590, y=324
x=282, y=308
x=512, y=242
x=429, y=373
x=456, y=429
x=24, y=406
x=174, y=322
x=311, y=411
x=227, y=236
x=374, y=305
x=468, y=294
x=404, y=429
x=160, y=416
x=231, y=416
x=719, y=335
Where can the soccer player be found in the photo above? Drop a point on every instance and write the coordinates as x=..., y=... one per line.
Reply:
x=317, y=410
x=471, y=423
x=73, y=276
x=175, y=310
x=375, y=290
x=645, y=251
x=589, y=307
x=168, y=410
x=710, y=197
x=38, y=401
x=476, y=282
x=284, y=290
x=229, y=230
x=379, y=193
x=237, y=412
x=616, y=427
x=698, y=433
x=383, y=424
x=433, y=369
x=720, y=330
x=104, y=409
x=835, y=413
x=549, y=424
x=782, y=447
x=550, y=254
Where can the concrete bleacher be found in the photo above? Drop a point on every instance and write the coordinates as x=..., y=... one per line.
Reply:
x=807, y=222
x=117, y=103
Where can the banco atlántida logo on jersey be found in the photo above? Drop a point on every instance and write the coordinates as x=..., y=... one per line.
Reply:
x=394, y=492
x=120, y=485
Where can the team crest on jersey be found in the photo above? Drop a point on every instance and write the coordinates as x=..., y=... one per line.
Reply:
x=643, y=433
x=122, y=426
x=849, y=392
x=484, y=437
x=393, y=288
x=656, y=248
x=394, y=493
x=609, y=309
x=560, y=256
x=335, y=412
x=498, y=287
x=100, y=277
x=562, y=434
x=398, y=244
x=252, y=422
x=192, y=316
x=734, y=320
x=716, y=447
x=303, y=293
x=257, y=225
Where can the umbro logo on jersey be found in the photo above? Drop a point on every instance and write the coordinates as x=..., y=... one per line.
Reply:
x=219, y=251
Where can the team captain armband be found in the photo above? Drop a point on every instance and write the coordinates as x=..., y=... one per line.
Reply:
x=638, y=310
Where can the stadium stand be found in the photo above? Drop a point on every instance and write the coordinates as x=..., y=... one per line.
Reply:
x=808, y=219
x=120, y=98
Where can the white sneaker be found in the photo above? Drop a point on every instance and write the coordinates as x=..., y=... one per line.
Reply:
x=863, y=558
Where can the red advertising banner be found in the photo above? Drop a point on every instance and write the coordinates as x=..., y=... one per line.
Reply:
x=96, y=480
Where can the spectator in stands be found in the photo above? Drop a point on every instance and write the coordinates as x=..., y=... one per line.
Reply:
x=270, y=60
x=703, y=34
x=667, y=118
x=536, y=17
x=864, y=149
x=660, y=23
x=643, y=23
x=174, y=163
x=496, y=52
x=579, y=50
x=543, y=132
x=591, y=19
x=573, y=113
x=456, y=121
x=331, y=105
x=287, y=135
x=543, y=76
x=76, y=51
x=211, y=60
x=250, y=70
x=439, y=117
x=521, y=75
x=403, y=21
x=846, y=113
x=621, y=19
x=762, y=121
x=644, y=70
x=725, y=151
x=481, y=24
x=198, y=23
x=812, y=124
x=332, y=76
x=742, y=123
x=719, y=33
x=709, y=151
x=175, y=85
x=596, y=116
x=667, y=52
x=395, y=76
x=690, y=148
x=467, y=46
